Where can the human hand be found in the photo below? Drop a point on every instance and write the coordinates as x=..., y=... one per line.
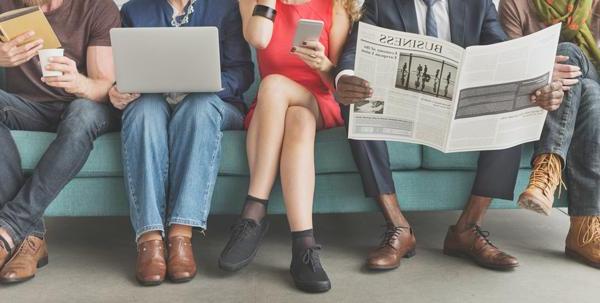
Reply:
x=71, y=81
x=313, y=54
x=565, y=73
x=15, y=53
x=352, y=89
x=121, y=100
x=550, y=97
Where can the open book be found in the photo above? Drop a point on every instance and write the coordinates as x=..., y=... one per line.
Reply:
x=432, y=92
x=20, y=21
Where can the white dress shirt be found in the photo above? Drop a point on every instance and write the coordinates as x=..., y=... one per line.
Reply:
x=442, y=17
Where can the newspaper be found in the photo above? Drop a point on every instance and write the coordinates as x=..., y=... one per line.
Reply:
x=432, y=92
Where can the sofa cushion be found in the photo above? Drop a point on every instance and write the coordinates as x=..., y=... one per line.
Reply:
x=434, y=159
x=332, y=153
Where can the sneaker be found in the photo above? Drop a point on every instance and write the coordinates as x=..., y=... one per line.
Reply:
x=308, y=273
x=544, y=179
x=243, y=244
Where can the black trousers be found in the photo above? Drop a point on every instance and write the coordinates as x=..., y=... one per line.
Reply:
x=496, y=170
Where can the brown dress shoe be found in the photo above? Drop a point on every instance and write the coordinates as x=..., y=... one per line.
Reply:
x=475, y=245
x=31, y=255
x=398, y=242
x=151, y=266
x=583, y=240
x=545, y=177
x=181, y=265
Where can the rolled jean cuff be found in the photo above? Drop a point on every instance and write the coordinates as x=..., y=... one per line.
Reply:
x=149, y=228
x=188, y=222
x=555, y=150
x=583, y=212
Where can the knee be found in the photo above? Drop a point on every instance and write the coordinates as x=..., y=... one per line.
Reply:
x=86, y=119
x=150, y=110
x=272, y=88
x=300, y=124
x=200, y=110
x=570, y=50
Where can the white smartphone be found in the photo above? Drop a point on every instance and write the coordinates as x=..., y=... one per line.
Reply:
x=308, y=30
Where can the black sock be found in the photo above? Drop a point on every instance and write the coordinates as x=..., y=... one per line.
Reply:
x=255, y=209
x=301, y=240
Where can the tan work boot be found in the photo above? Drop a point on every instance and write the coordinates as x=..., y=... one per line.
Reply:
x=545, y=177
x=583, y=240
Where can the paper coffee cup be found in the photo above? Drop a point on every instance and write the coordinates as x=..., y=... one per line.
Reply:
x=46, y=54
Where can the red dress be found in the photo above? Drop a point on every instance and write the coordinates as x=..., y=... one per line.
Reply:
x=277, y=59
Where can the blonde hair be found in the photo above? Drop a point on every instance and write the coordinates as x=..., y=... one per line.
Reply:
x=353, y=8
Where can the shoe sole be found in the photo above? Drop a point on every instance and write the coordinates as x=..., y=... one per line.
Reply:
x=529, y=202
x=312, y=287
x=149, y=283
x=408, y=255
x=182, y=280
x=237, y=266
x=488, y=266
x=575, y=255
x=41, y=263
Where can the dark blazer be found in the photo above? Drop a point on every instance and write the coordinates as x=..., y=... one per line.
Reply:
x=472, y=22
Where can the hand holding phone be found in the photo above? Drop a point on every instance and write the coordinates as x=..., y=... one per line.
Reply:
x=308, y=30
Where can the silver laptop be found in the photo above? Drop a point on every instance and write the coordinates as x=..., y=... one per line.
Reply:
x=167, y=60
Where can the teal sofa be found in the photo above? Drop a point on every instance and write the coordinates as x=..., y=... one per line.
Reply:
x=425, y=178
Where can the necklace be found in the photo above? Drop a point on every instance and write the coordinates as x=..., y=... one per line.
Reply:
x=186, y=17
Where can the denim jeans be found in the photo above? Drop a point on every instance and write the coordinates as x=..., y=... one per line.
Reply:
x=573, y=133
x=23, y=199
x=171, y=158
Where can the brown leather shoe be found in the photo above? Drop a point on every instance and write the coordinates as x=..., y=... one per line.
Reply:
x=181, y=265
x=475, y=245
x=31, y=255
x=151, y=266
x=545, y=177
x=398, y=242
x=583, y=240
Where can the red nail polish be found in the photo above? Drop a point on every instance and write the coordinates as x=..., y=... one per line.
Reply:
x=293, y=49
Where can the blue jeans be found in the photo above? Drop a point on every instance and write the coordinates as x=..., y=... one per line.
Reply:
x=24, y=199
x=171, y=158
x=573, y=133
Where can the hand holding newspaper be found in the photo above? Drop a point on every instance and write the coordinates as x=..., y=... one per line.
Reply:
x=432, y=92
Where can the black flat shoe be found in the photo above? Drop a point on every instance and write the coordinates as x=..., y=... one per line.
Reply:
x=308, y=273
x=243, y=244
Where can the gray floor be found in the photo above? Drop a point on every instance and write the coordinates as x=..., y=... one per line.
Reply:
x=92, y=260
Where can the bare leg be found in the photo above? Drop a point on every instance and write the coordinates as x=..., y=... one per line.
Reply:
x=298, y=167
x=473, y=213
x=4, y=234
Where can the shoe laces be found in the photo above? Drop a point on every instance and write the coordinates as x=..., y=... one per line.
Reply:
x=483, y=235
x=391, y=234
x=547, y=173
x=311, y=258
x=592, y=233
x=244, y=228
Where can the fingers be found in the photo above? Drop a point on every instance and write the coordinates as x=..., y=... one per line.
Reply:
x=561, y=59
x=19, y=40
x=64, y=68
x=26, y=52
x=314, y=45
x=62, y=60
x=549, y=97
x=354, y=80
x=307, y=52
x=566, y=68
x=567, y=83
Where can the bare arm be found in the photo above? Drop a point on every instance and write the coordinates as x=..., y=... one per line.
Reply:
x=257, y=30
x=101, y=73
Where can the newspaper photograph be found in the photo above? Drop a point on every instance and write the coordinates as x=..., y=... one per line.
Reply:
x=429, y=91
